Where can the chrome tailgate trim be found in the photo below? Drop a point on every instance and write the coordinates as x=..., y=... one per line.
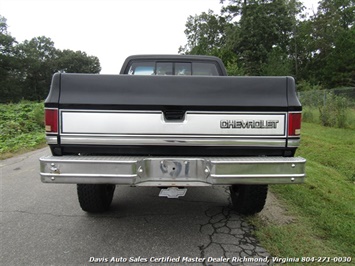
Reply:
x=171, y=141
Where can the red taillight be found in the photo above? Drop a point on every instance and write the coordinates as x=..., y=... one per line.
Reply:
x=51, y=119
x=294, y=124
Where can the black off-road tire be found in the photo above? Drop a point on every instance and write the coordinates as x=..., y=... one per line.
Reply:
x=95, y=198
x=248, y=199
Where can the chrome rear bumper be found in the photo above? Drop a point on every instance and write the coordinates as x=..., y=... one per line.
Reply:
x=172, y=171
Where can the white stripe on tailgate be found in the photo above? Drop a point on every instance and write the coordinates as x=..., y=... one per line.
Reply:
x=153, y=123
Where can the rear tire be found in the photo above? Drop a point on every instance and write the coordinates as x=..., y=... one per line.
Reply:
x=248, y=199
x=95, y=198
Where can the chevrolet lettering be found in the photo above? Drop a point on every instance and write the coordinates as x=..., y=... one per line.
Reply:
x=172, y=122
x=249, y=124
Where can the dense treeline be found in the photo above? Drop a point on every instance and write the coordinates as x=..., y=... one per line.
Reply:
x=26, y=68
x=278, y=37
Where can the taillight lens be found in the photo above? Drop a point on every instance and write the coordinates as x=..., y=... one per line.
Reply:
x=51, y=119
x=294, y=124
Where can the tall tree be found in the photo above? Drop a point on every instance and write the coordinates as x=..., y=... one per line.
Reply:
x=205, y=33
x=26, y=68
x=10, y=87
x=274, y=37
x=77, y=62
x=37, y=66
x=40, y=59
x=264, y=26
x=212, y=34
x=334, y=50
x=340, y=68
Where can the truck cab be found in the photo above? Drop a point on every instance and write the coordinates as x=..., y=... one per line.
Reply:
x=178, y=65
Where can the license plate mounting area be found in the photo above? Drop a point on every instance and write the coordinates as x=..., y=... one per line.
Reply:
x=174, y=171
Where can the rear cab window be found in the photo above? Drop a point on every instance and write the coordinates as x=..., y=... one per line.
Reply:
x=142, y=68
x=164, y=68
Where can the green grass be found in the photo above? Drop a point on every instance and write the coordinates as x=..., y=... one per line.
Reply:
x=324, y=206
x=21, y=127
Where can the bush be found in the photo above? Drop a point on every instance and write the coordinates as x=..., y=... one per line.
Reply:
x=304, y=85
x=334, y=111
x=21, y=126
x=331, y=108
x=309, y=115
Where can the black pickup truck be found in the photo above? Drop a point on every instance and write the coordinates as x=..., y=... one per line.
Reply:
x=172, y=121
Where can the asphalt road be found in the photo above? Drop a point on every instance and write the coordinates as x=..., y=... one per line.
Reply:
x=43, y=224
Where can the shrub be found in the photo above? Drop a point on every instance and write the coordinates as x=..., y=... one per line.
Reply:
x=334, y=110
x=309, y=115
x=21, y=126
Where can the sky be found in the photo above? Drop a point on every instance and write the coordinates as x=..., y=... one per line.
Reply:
x=109, y=29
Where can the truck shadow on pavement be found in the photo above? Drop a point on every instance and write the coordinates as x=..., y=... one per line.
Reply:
x=201, y=224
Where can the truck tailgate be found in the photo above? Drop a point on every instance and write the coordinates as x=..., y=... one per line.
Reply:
x=157, y=115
